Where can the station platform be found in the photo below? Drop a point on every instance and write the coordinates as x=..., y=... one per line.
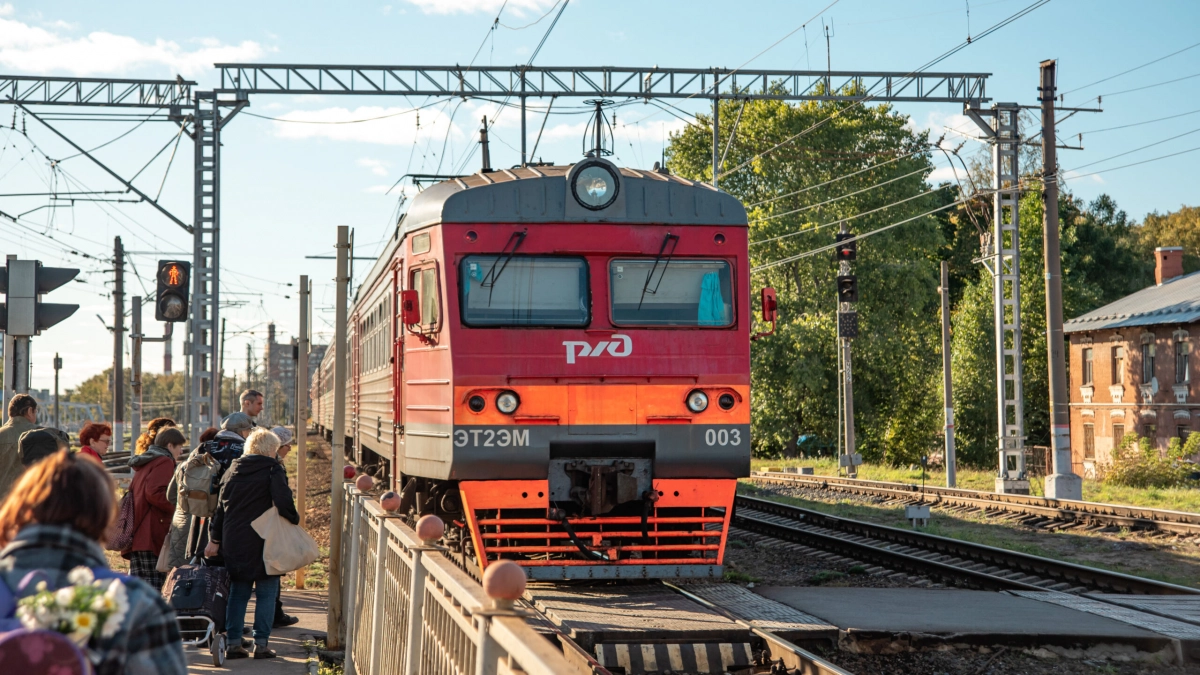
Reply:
x=888, y=620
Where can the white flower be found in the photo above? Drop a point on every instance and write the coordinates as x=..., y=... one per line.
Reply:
x=103, y=604
x=111, y=625
x=64, y=596
x=41, y=586
x=80, y=576
x=84, y=622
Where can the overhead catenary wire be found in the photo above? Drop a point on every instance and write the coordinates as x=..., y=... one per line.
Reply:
x=839, y=178
x=847, y=219
x=870, y=97
x=1138, y=124
x=1126, y=72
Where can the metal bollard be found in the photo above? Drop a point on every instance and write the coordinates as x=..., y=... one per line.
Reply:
x=429, y=530
x=351, y=567
x=381, y=550
x=504, y=583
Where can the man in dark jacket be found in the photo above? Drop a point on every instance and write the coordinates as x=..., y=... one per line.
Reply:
x=22, y=417
x=252, y=485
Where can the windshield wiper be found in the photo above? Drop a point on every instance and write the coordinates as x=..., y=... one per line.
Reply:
x=646, y=286
x=493, y=275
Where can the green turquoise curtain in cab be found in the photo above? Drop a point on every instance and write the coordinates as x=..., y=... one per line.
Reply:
x=508, y=290
x=672, y=292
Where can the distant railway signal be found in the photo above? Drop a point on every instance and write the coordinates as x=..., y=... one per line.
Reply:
x=847, y=288
x=171, y=303
x=847, y=251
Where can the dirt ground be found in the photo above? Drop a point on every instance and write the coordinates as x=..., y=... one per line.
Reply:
x=1159, y=556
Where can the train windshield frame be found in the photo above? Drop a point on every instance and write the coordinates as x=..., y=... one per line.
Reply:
x=676, y=292
x=517, y=291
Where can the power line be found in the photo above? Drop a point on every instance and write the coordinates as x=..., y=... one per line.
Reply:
x=368, y=119
x=1138, y=124
x=1149, y=145
x=1125, y=166
x=529, y=25
x=1148, y=86
x=834, y=180
x=841, y=197
x=846, y=219
x=1126, y=72
x=870, y=97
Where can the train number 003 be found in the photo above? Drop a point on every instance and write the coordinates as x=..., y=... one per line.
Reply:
x=722, y=437
x=491, y=438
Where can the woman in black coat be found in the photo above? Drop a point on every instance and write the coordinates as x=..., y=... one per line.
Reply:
x=253, y=484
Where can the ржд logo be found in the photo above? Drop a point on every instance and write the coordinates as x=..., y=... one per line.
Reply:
x=619, y=346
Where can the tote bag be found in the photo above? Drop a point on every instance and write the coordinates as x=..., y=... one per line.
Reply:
x=286, y=547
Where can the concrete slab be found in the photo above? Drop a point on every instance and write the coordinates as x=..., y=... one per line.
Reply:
x=924, y=617
x=309, y=606
x=1179, y=607
x=787, y=622
x=594, y=614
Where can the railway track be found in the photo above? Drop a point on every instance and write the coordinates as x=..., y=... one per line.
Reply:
x=1059, y=514
x=948, y=561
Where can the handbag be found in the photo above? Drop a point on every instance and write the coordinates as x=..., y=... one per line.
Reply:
x=122, y=532
x=286, y=547
x=164, y=556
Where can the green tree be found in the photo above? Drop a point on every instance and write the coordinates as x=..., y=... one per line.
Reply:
x=1178, y=228
x=895, y=355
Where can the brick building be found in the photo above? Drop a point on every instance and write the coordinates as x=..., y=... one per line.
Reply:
x=1132, y=363
x=279, y=365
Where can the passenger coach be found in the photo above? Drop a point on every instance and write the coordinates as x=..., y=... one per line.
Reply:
x=556, y=361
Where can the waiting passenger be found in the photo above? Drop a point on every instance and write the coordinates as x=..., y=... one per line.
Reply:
x=96, y=439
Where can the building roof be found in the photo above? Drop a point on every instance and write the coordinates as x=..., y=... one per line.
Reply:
x=1174, y=302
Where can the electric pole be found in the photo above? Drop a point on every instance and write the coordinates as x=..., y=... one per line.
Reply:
x=302, y=348
x=847, y=327
x=168, y=334
x=118, y=405
x=221, y=372
x=57, y=367
x=249, y=365
x=947, y=398
x=1063, y=483
x=135, y=369
x=333, y=632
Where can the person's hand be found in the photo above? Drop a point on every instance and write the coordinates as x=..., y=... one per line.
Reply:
x=212, y=549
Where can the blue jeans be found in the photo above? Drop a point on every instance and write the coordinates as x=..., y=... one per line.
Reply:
x=265, y=594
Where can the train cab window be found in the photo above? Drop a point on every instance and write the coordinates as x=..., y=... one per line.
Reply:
x=524, y=291
x=425, y=282
x=671, y=293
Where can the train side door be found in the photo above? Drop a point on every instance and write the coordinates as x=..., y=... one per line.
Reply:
x=397, y=369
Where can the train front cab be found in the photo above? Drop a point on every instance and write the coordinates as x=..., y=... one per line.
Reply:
x=599, y=404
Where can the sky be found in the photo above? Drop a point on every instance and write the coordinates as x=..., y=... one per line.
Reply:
x=287, y=184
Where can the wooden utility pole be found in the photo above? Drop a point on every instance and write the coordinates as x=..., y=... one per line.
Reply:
x=947, y=397
x=118, y=378
x=1063, y=483
x=333, y=639
x=301, y=408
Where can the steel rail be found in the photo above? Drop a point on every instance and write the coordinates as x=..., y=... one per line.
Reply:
x=1132, y=517
x=948, y=560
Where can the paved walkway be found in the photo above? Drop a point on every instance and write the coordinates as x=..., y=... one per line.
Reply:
x=309, y=606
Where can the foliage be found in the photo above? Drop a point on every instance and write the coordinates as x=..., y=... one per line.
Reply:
x=1179, y=228
x=795, y=371
x=1138, y=463
x=162, y=395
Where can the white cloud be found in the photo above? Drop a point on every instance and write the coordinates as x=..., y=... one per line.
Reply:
x=955, y=127
x=1071, y=175
x=31, y=49
x=385, y=10
x=388, y=126
x=6, y=9
x=377, y=166
x=515, y=7
x=943, y=174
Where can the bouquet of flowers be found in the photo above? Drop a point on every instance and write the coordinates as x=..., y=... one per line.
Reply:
x=88, y=608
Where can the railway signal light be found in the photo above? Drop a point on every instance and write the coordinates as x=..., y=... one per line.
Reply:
x=171, y=303
x=847, y=288
x=23, y=282
x=847, y=251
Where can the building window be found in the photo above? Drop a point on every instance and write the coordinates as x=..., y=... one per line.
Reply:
x=1182, y=351
x=1118, y=365
x=1087, y=366
x=1149, y=431
x=1089, y=441
x=1118, y=435
x=1147, y=363
x=1182, y=432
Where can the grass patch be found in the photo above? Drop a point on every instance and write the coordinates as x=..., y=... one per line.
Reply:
x=825, y=576
x=740, y=577
x=857, y=569
x=1175, y=499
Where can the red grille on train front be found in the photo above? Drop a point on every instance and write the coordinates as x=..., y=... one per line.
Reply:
x=687, y=526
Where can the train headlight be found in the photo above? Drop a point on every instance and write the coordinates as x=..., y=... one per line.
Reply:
x=725, y=401
x=476, y=403
x=697, y=401
x=595, y=186
x=507, y=402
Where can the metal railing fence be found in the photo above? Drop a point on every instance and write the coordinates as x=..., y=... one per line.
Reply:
x=412, y=611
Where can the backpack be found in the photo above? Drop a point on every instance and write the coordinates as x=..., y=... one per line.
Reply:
x=122, y=533
x=197, y=477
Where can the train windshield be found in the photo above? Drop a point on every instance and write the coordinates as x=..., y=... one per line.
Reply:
x=671, y=292
x=507, y=290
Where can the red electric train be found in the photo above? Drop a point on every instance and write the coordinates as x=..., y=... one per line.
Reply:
x=556, y=361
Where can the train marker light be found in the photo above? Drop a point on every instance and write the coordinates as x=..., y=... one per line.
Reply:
x=410, y=308
x=697, y=401
x=725, y=401
x=770, y=311
x=507, y=402
x=171, y=300
x=476, y=403
x=595, y=186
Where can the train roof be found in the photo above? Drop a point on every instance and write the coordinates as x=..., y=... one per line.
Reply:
x=539, y=194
